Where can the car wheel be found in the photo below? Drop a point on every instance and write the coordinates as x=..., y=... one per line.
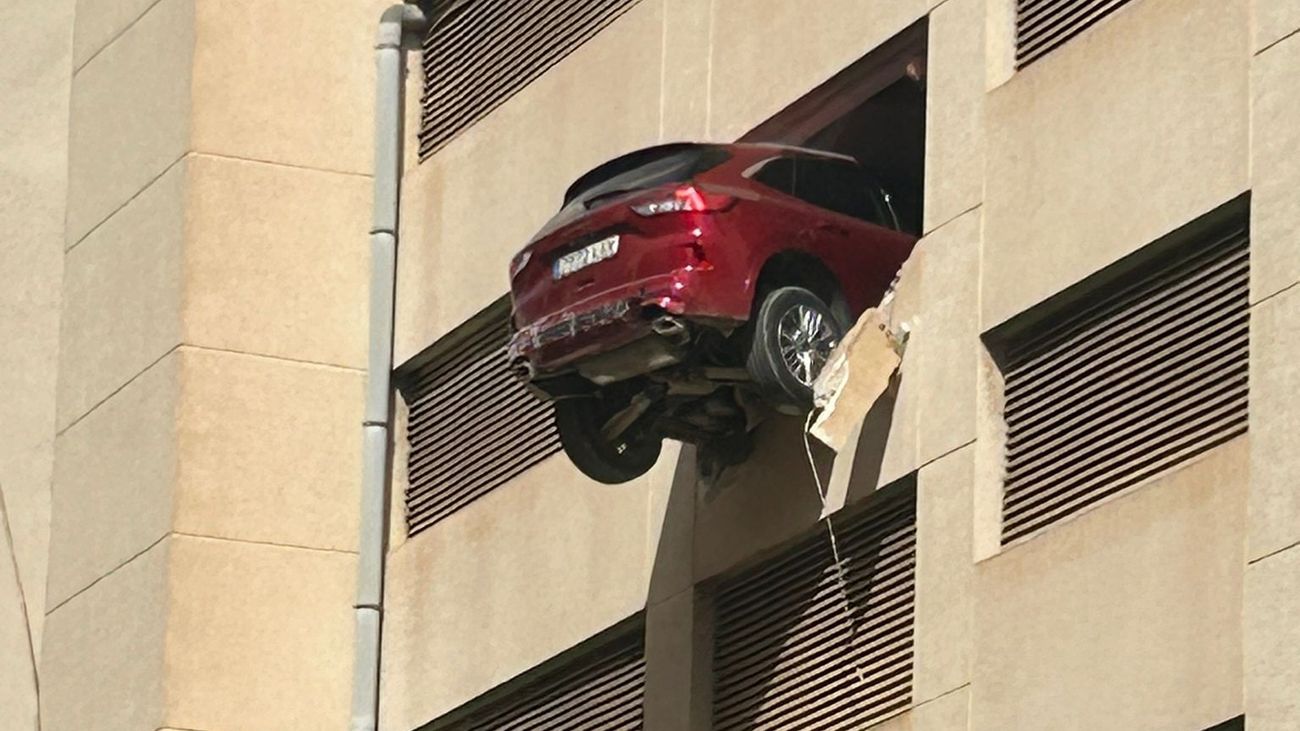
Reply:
x=579, y=422
x=794, y=334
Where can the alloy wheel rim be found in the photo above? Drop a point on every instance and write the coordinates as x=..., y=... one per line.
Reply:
x=805, y=338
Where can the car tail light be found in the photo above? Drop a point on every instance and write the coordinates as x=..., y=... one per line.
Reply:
x=685, y=198
x=520, y=261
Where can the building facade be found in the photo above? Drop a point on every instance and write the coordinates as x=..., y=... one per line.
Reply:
x=1074, y=508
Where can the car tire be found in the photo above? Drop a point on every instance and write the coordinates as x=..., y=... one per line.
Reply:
x=579, y=422
x=794, y=332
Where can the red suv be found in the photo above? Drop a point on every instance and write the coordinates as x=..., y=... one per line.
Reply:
x=682, y=286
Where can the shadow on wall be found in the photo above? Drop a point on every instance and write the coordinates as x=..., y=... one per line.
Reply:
x=759, y=509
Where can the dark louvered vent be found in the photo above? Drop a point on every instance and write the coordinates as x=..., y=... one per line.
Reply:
x=472, y=426
x=601, y=692
x=1147, y=373
x=1043, y=25
x=789, y=652
x=483, y=51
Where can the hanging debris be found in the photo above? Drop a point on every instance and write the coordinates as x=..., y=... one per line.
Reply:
x=856, y=374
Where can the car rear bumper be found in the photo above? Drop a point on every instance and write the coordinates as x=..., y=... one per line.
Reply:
x=605, y=323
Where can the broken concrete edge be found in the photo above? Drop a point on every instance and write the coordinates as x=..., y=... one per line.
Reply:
x=856, y=374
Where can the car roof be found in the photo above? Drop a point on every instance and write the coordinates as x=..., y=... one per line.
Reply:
x=636, y=158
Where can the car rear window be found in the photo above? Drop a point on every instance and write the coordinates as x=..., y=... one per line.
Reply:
x=645, y=169
x=641, y=170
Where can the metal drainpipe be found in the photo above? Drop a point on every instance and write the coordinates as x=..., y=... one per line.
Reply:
x=390, y=57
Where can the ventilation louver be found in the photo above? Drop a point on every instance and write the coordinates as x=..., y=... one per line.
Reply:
x=472, y=425
x=786, y=654
x=602, y=692
x=1043, y=25
x=480, y=53
x=1149, y=372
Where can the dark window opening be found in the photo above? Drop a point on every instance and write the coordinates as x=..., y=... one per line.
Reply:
x=791, y=651
x=874, y=112
x=1232, y=724
x=1128, y=374
x=597, y=685
x=472, y=425
x=477, y=55
x=1042, y=27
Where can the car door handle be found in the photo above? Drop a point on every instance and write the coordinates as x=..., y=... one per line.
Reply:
x=834, y=228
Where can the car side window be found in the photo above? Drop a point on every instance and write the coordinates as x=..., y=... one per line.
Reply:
x=841, y=187
x=778, y=174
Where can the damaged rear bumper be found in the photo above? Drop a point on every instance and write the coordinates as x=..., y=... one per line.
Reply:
x=627, y=332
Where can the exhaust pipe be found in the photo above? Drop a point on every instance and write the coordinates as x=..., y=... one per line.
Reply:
x=671, y=328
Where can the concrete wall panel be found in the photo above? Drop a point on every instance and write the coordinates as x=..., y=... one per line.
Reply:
x=954, y=132
x=102, y=666
x=277, y=261
x=122, y=297
x=1123, y=134
x=1127, y=616
x=35, y=73
x=1274, y=20
x=759, y=64
x=950, y=712
x=947, y=332
x=530, y=570
x=688, y=28
x=1275, y=169
x=902, y=447
x=269, y=450
x=1273, y=642
x=944, y=572
x=130, y=117
x=113, y=480
x=275, y=82
x=1274, y=425
x=100, y=22
x=18, y=701
x=259, y=637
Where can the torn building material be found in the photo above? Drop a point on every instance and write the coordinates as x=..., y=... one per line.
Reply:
x=855, y=376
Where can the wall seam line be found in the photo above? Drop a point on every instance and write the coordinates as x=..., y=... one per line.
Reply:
x=1276, y=42
x=107, y=574
x=267, y=356
x=1273, y=553
x=952, y=451
x=149, y=184
x=250, y=541
x=947, y=221
x=276, y=163
x=942, y=695
x=117, y=390
x=1271, y=295
x=115, y=37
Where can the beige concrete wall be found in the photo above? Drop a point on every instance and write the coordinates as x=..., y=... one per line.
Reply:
x=209, y=384
x=210, y=364
x=529, y=570
x=1121, y=135
x=35, y=70
x=1127, y=616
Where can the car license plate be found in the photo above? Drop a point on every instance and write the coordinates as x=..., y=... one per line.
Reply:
x=585, y=257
